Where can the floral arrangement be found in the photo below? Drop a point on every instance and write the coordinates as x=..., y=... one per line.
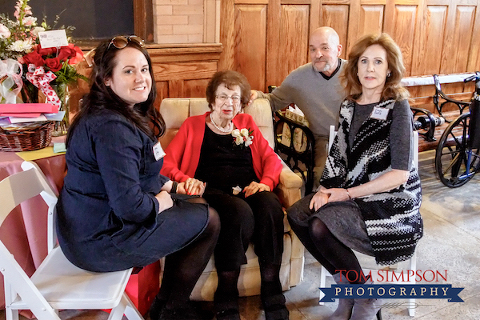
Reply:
x=41, y=67
x=243, y=137
x=18, y=37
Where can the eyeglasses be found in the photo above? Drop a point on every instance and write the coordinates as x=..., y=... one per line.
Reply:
x=223, y=98
x=121, y=42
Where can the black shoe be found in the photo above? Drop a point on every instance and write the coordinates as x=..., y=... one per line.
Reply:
x=228, y=314
x=185, y=313
x=273, y=301
x=275, y=308
x=156, y=308
x=226, y=308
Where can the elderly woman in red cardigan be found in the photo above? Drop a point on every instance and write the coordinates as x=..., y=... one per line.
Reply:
x=223, y=156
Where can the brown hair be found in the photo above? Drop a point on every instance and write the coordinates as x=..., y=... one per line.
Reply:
x=230, y=79
x=393, y=89
x=143, y=115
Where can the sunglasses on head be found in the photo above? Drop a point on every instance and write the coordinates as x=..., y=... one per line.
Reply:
x=121, y=42
x=118, y=42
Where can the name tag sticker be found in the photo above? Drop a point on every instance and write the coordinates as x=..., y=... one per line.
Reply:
x=379, y=113
x=158, y=151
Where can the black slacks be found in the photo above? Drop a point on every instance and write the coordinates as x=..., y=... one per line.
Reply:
x=257, y=219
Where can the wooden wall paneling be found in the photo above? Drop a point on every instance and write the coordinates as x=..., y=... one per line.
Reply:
x=195, y=88
x=227, y=34
x=420, y=36
x=250, y=43
x=294, y=37
x=457, y=43
x=371, y=18
x=417, y=50
x=316, y=15
x=474, y=54
x=401, y=25
x=176, y=88
x=435, y=36
x=273, y=78
x=175, y=74
x=433, y=43
x=162, y=93
x=353, y=25
x=336, y=17
x=184, y=70
x=428, y=44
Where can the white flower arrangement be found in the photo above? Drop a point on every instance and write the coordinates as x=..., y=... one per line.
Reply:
x=243, y=137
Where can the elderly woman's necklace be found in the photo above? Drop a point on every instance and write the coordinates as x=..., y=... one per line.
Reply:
x=227, y=129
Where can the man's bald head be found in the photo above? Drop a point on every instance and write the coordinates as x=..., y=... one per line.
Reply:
x=325, y=48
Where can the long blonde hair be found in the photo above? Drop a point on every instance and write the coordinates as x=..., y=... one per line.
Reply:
x=393, y=89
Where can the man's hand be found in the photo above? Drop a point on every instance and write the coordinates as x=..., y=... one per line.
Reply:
x=253, y=96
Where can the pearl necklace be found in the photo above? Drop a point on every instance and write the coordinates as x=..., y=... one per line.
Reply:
x=228, y=129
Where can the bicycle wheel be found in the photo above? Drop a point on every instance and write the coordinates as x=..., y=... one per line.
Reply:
x=451, y=158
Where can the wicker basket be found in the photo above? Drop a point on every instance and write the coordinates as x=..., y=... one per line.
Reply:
x=26, y=139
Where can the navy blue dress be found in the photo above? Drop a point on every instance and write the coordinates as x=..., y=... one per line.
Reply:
x=107, y=210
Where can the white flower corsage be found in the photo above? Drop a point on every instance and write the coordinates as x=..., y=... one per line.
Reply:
x=236, y=190
x=243, y=137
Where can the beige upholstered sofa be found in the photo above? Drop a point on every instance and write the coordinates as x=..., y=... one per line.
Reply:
x=175, y=111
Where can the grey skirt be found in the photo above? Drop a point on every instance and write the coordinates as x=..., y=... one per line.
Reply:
x=343, y=218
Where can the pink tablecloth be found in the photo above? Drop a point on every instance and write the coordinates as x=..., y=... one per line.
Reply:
x=29, y=243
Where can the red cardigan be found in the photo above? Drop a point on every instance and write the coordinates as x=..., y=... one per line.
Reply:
x=183, y=153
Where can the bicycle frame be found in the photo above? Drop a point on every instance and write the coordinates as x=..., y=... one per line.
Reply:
x=457, y=159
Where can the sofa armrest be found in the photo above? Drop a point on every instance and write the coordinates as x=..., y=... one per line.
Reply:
x=289, y=188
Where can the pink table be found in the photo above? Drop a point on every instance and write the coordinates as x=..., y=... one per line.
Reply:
x=29, y=243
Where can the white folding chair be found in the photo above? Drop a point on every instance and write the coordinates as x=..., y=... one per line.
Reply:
x=412, y=262
x=56, y=284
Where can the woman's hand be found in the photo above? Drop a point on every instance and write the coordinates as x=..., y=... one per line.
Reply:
x=164, y=201
x=191, y=186
x=336, y=194
x=255, y=187
x=319, y=199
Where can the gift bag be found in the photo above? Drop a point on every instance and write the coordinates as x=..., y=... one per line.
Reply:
x=10, y=80
x=299, y=138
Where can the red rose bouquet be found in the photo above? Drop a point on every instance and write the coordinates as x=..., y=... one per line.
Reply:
x=59, y=61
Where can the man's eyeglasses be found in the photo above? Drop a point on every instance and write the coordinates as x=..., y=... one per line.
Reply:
x=121, y=42
x=223, y=98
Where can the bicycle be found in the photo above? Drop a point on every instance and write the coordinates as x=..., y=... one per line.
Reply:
x=444, y=108
x=457, y=157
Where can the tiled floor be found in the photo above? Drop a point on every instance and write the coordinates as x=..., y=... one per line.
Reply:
x=451, y=242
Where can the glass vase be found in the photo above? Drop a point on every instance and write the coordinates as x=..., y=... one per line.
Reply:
x=29, y=92
x=61, y=127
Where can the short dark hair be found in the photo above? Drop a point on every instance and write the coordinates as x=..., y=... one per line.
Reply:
x=393, y=89
x=230, y=79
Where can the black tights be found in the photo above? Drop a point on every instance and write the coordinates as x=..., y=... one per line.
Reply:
x=327, y=249
x=227, y=289
x=336, y=253
x=184, y=267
